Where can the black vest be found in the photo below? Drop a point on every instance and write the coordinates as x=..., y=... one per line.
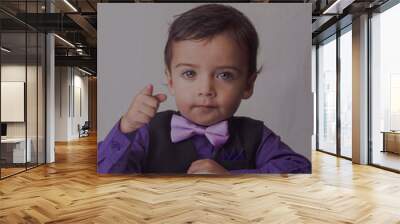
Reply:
x=167, y=157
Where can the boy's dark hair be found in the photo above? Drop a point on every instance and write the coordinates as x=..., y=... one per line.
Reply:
x=206, y=21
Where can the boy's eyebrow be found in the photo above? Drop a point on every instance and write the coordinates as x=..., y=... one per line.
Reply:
x=230, y=67
x=221, y=67
x=186, y=64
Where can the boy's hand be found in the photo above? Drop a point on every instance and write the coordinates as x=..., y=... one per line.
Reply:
x=206, y=166
x=142, y=109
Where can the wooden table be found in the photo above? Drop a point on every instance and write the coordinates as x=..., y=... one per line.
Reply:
x=14, y=150
x=391, y=141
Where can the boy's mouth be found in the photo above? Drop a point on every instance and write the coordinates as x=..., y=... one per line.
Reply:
x=205, y=107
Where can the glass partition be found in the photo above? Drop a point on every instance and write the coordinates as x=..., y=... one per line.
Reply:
x=31, y=100
x=41, y=96
x=327, y=95
x=385, y=89
x=22, y=77
x=13, y=105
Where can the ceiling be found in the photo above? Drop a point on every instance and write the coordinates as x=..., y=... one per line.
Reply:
x=77, y=23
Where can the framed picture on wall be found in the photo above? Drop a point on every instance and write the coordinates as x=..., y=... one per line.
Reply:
x=12, y=101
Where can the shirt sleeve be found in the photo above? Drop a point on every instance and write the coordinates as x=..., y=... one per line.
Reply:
x=123, y=153
x=274, y=156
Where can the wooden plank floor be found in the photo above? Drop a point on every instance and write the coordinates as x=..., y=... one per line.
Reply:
x=70, y=191
x=10, y=171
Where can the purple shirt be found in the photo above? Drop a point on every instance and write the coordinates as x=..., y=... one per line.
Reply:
x=126, y=153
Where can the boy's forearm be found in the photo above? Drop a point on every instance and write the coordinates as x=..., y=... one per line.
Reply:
x=112, y=152
x=275, y=169
x=125, y=126
x=274, y=156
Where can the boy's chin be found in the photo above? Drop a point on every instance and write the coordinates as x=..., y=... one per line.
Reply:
x=204, y=119
x=206, y=122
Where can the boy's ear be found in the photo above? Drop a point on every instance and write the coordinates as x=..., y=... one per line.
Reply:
x=248, y=92
x=169, y=81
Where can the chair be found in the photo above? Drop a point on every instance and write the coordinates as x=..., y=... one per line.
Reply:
x=84, y=130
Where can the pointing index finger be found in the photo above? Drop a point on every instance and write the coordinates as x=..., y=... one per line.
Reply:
x=148, y=90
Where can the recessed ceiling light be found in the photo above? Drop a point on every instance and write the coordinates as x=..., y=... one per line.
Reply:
x=70, y=5
x=64, y=40
x=86, y=72
x=337, y=7
x=5, y=50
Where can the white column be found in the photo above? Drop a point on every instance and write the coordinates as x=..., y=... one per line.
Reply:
x=50, y=92
x=360, y=90
x=50, y=79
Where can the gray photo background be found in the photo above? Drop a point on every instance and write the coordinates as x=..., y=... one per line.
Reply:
x=131, y=39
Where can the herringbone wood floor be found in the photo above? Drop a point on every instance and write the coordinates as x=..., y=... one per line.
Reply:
x=70, y=191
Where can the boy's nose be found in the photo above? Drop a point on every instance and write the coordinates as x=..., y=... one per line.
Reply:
x=206, y=87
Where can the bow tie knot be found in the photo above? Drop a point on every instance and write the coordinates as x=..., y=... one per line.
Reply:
x=182, y=129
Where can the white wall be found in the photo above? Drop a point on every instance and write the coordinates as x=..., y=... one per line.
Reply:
x=80, y=83
x=130, y=56
x=61, y=103
x=67, y=80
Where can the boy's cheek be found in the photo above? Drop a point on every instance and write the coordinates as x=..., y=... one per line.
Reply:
x=171, y=88
x=170, y=83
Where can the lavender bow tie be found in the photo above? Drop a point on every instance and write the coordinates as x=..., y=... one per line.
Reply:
x=182, y=129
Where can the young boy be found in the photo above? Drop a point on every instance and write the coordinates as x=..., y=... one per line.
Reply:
x=211, y=65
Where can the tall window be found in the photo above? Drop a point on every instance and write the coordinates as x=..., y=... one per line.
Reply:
x=385, y=88
x=327, y=95
x=334, y=138
x=346, y=92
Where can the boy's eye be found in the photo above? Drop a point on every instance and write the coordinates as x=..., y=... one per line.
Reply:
x=188, y=74
x=225, y=76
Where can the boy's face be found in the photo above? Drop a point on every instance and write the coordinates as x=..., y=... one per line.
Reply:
x=209, y=78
